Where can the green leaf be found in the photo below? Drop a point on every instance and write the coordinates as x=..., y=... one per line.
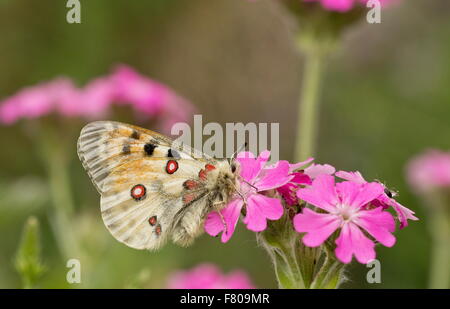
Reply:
x=28, y=260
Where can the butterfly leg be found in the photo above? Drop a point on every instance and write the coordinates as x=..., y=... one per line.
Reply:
x=223, y=222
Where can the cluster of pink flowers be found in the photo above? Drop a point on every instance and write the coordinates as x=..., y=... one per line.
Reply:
x=345, y=5
x=208, y=276
x=353, y=210
x=124, y=86
x=429, y=171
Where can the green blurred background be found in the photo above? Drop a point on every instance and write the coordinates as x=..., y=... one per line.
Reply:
x=386, y=97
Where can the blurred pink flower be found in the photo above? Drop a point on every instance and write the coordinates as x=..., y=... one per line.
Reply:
x=148, y=98
x=259, y=208
x=146, y=95
x=208, y=276
x=91, y=101
x=30, y=102
x=429, y=171
x=345, y=208
x=345, y=5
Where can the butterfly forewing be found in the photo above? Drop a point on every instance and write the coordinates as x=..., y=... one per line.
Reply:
x=141, y=177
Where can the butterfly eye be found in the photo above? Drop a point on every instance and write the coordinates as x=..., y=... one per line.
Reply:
x=233, y=168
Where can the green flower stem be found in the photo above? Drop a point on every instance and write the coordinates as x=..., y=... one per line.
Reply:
x=280, y=242
x=439, y=225
x=309, y=104
x=329, y=275
x=297, y=266
x=55, y=156
x=287, y=269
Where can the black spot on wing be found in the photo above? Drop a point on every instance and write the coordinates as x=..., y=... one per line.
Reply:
x=135, y=134
x=126, y=149
x=149, y=149
x=171, y=153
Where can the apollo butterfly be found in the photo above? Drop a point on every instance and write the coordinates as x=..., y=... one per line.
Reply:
x=151, y=189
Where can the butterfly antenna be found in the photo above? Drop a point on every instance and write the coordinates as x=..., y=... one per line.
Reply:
x=239, y=150
x=223, y=222
x=249, y=184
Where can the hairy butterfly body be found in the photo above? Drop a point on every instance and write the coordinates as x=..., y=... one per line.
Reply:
x=151, y=189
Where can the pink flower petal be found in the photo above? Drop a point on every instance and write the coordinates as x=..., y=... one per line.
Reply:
x=348, y=191
x=288, y=193
x=318, y=169
x=251, y=167
x=318, y=227
x=214, y=224
x=274, y=177
x=289, y=190
x=352, y=241
x=338, y=5
x=208, y=276
x=368, y=193
x=299, y=165
x=237, y=280
x=351, y=176
x=322, y=193
x=404, y=214
x=9, y=111
x=301, y=178
x=259, y=209
x=378, y=223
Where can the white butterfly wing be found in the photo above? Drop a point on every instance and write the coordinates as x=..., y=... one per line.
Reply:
x=123, y=161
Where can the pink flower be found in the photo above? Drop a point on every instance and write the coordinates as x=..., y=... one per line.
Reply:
x=289, y=190
x=255, y=179
x=208, y=276
x=30, y=102
x=124, y=86
x=345, y=5
x=302, y=178
x=132, y=88
x=345, y=208
x=385, y=200
x=429, y=171
x=91, y=101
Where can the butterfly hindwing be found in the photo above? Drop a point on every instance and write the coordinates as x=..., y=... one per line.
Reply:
x=142, y=180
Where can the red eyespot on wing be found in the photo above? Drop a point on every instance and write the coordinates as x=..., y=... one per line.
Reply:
x=138, y=192
x=190, y=184
x=202, y=174
x=210, y=167
x=171, y=166
x=152, y=220
x=158, y=230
